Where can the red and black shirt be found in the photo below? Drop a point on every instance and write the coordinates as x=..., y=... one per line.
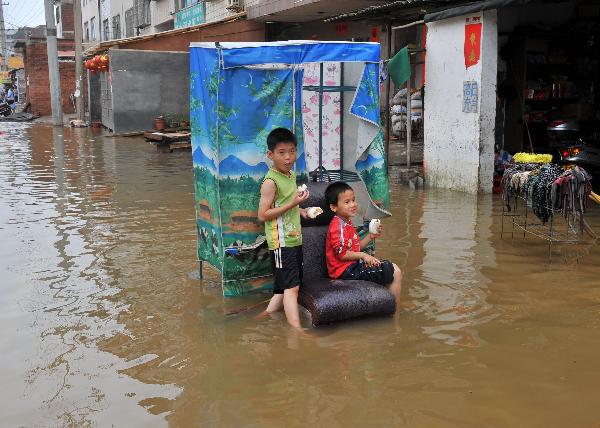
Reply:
x=341, y=237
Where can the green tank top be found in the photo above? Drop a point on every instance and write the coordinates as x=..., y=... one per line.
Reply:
x=284, y=231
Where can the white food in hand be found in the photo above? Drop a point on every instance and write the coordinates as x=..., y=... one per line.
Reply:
x=313, y=212
x=302, y=188
x=374, y=226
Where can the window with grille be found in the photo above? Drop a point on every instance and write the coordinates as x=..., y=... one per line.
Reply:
x=93, y=28
x=129, y=23
x=116, y=26
x=142, y=13
x=105, y=30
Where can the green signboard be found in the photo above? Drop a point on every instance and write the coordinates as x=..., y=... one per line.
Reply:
x=192, y=15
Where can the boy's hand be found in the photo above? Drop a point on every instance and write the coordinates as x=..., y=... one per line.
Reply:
x=300, y=197
x=378, y=234
x=303, y=213
x=370, y=261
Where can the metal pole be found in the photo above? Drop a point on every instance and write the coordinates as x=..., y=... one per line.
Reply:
x=78, y=61
x=342, y=117
x=3, y=39
x=408, y=124
x=320, y=174
x=388, y=85
x=53, y=73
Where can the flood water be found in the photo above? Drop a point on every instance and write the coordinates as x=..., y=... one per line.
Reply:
x=106, y=323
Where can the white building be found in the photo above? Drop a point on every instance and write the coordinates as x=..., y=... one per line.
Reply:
x=116, y=19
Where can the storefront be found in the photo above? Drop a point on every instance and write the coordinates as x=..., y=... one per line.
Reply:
x=548, y=74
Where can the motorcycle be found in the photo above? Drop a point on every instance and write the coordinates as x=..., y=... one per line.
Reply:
x=5, y=109
x=576, y=148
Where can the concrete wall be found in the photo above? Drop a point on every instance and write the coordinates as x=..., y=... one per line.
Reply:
x=459, y=147
x=146, y=84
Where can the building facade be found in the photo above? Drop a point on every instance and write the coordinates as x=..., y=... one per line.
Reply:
x=104, y=20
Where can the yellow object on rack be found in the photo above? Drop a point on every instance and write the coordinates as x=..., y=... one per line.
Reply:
x=594, y=197
x=532, y=158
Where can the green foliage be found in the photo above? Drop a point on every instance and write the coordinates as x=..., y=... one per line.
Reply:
x=376, y=181
x=372, y=90
x=236, y=269
x=193, y=77
x=238, y=194
x=241, y=287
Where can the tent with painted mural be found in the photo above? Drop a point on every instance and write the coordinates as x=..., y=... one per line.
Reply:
x=326, y=92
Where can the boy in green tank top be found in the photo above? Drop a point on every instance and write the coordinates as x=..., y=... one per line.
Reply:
x=279, y=210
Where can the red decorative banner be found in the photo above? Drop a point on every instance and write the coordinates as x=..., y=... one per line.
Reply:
x=472, y=42
x=374, y=34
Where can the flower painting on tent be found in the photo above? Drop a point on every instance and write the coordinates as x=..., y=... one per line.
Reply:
x=330, y=116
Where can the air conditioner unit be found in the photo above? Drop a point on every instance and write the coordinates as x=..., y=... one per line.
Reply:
x=234, y=5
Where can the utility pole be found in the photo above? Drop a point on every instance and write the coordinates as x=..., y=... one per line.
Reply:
x=78, y=60
x=53, y=72
x=3, y=37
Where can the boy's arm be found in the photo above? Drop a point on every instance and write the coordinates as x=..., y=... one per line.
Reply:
x=366, y=240
x=266, y=211
x=368, y=259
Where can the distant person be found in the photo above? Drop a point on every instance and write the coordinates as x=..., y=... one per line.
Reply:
x=2, y=93
x=343, y=251
x=10, y=98
x=279, y=209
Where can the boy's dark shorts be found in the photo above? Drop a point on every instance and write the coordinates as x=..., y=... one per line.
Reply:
x=382, y=274
x=287, y=268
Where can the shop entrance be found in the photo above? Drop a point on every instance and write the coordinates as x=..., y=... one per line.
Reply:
x=549, y=79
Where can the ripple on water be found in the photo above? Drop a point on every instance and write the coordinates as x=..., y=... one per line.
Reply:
x=109, y=323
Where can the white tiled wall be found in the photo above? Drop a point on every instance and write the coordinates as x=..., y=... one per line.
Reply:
x=216, y=10
x=160, y=11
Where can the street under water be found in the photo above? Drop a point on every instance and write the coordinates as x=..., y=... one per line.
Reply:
x=106, y=323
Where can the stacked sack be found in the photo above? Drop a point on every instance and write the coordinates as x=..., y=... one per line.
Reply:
x=398, y=110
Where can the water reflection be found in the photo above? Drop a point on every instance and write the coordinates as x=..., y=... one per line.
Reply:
x=452, y=289
x=108, y=323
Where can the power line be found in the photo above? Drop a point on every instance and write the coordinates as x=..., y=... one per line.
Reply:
x=26, y=16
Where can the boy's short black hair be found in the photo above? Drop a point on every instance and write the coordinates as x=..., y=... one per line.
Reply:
x=280, y=135
x=334, y=190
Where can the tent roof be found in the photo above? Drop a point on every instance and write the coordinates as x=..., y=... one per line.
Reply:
x=239, y=54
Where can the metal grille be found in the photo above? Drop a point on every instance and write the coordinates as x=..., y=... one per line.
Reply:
x=116, y=26
x=142, y=13
x=129, y=23
x=106, y=100
x=105, y=30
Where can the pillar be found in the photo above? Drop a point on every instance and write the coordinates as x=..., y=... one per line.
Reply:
x=459, y=144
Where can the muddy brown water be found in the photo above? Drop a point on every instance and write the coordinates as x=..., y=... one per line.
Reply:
x=105, y=322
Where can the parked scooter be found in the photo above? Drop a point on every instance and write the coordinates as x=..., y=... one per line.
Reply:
x=576, y=149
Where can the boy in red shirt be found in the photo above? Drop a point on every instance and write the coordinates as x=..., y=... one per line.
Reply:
x=345, y=260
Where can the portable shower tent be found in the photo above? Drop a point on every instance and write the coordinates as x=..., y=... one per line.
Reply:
x=326, y=92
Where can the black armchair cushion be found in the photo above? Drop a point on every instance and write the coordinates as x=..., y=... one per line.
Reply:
x=330, y=301
x=313, y=251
